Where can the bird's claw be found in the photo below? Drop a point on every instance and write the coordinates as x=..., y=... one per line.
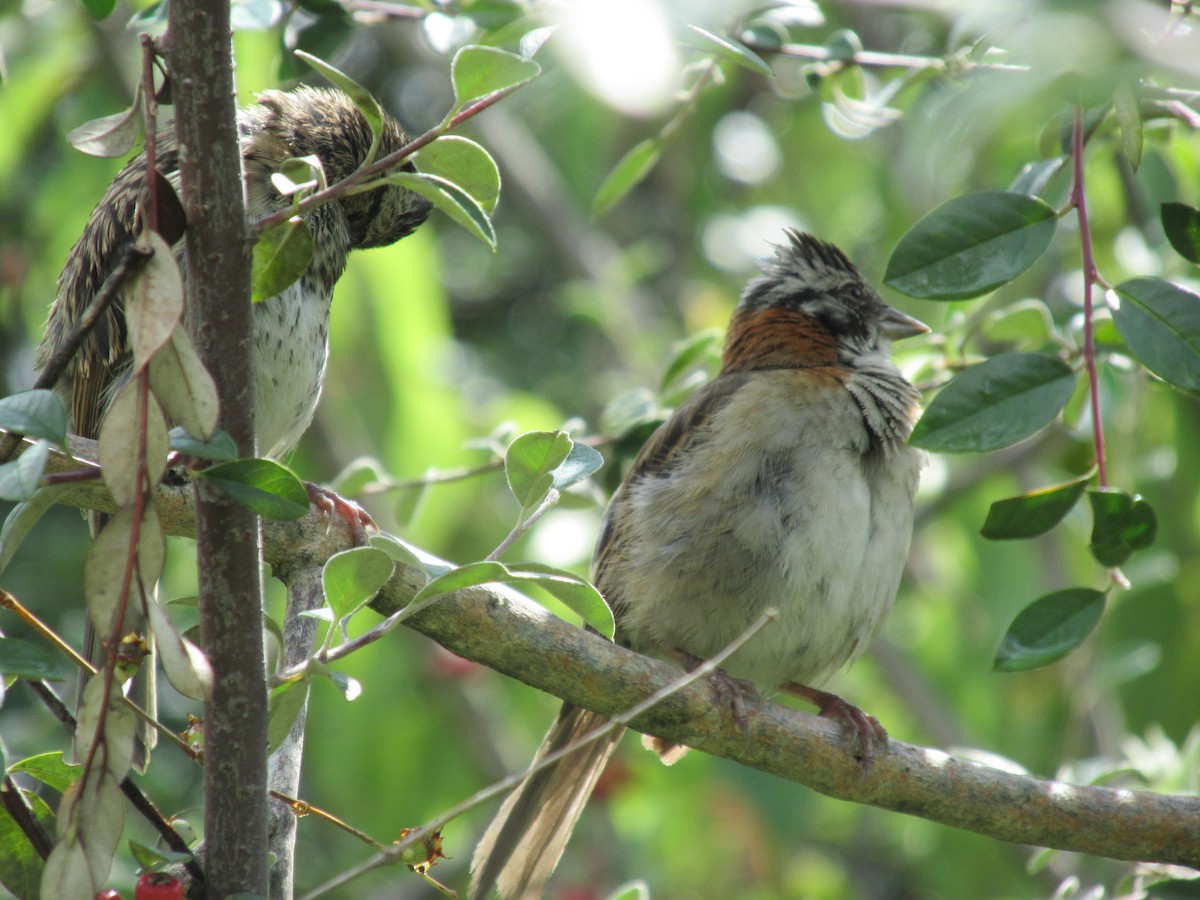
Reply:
x=357, y=519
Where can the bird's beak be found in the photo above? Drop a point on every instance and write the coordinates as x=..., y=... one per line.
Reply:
x=897, y=325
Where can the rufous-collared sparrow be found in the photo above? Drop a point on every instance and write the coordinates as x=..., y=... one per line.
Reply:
x=785, y=482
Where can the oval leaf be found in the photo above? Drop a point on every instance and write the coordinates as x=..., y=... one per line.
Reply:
x=366, y=103
x=470, y=575
x=971, y=245
x=49, y=769
x=466, y=164
x=185, y=665
x=35, y=414
x=183, y=386
x=1160, y=323
x=479, y=72
x=577, y=594
x=530, y=461
x=731, y=50
x=1048, y=629
x=1034, y=513
x=21, y=660
x=627, y=174
x=120, y=439
x=110, y=136
x=220, y=447
x=261, y=485
x=581, y=462
x=1121, y=523
x=351, y=578
x=19, y=478
x=154, y=305
x=996, y=403
x=104, y=571
x=287, y=702
x=449, y=198
x=281, y=255
x=118, y=724
x=1182, y=225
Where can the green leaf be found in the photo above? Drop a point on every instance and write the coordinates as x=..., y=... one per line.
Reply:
x=154, y=859
x=19, y=478
x=529, y=464
x=573, y=591
x=1035, y=177
x=280, y=256
x=995, y=404
x=1048, y=629
x=21, y=866
x=1182, y=225
x=351, y=578
x=627, y=174
x=408, y=555
x=1121, y=524
x=100, y=9
x=577, y=594
x=479, y=72
x=731, y=50
x=220, y=447
x=110, y=136
x=22, y=660
x=261, y=485
x=581, y=462
x=466, y=164
x=449, y=198
x=1127, y=106
x=50, y=769
x=1160, y=323
x=35, y=414
x=1174, y=889
x=287, y=702
x=1034, y=513
x=366, y=103
x=971, y=245
x=688, y=354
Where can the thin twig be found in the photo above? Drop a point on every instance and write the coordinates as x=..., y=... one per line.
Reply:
x=392, y=853
x=1091, y=276
x=363, y=175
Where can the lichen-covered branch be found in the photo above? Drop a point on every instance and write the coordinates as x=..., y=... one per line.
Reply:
x=503, y=630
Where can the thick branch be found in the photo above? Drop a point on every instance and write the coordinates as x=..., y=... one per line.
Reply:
x=503, y=630
x=228, y=540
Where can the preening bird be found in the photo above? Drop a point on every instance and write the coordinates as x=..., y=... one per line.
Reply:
x=290, y=331
x=785, y=482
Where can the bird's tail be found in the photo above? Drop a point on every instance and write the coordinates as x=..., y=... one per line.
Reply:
x=522, y=845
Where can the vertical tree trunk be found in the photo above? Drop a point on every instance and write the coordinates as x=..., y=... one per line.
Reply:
x=228, y=538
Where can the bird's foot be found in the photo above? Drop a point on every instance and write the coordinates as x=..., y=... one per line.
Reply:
x=732, y=693
x=861, y=729
x=357, y=519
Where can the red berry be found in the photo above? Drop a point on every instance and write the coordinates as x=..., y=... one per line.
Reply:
x=158, y=886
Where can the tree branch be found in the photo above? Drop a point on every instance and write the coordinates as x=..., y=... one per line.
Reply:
x=229, y=536
x=501, y=629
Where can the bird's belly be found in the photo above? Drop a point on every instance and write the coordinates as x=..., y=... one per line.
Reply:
x=291, y=345
x=820, y=533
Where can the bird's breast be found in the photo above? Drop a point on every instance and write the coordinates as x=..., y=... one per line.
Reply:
x=291, y=346
x=778, y=503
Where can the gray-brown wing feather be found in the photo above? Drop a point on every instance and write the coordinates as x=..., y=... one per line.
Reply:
x=658, y=457
x=523, y=844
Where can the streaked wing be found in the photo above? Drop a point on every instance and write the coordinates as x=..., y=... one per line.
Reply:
x=660, y=454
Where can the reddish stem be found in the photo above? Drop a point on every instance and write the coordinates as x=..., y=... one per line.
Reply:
x=1091, y=276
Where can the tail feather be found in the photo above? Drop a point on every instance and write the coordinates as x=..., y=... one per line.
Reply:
x=523, y=844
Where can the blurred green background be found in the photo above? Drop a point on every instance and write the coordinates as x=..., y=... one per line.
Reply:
x=442, y=350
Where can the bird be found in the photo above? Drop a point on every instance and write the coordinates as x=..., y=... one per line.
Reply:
x=291, y=330
x=784, y=482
